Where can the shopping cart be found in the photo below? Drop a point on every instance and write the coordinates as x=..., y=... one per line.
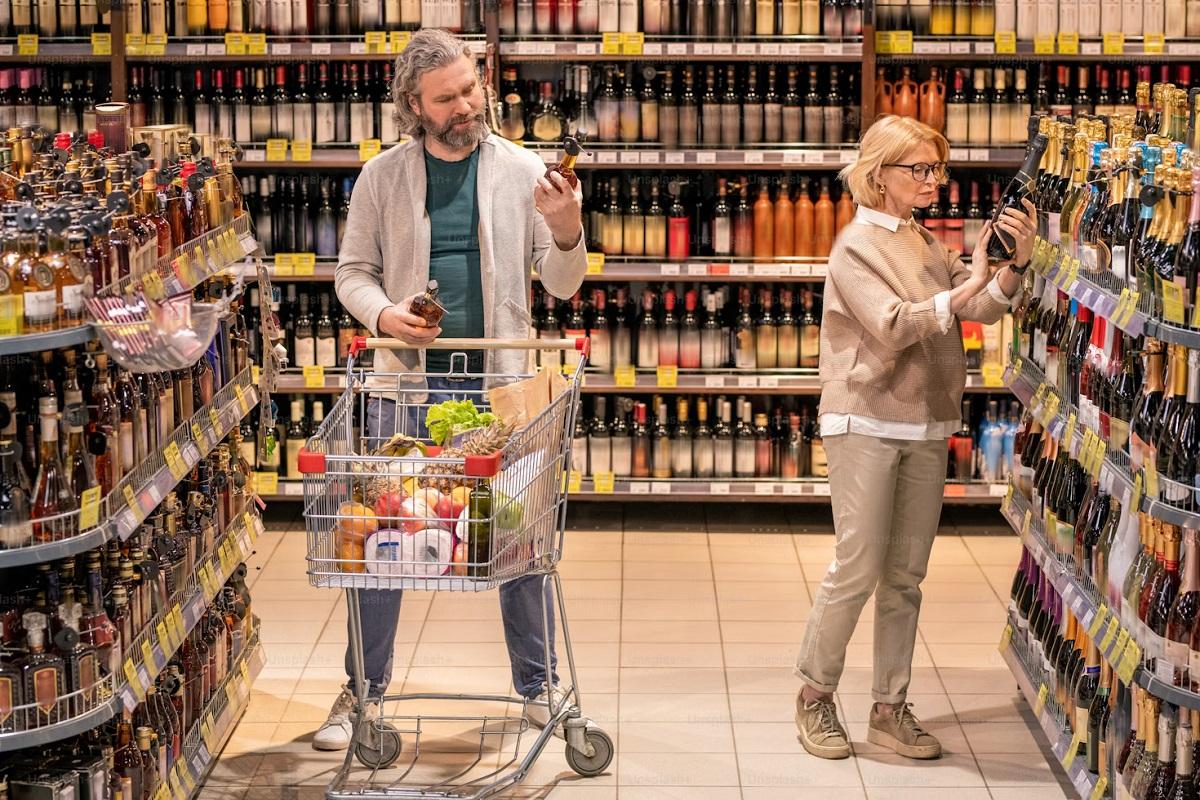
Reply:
x=469, y=517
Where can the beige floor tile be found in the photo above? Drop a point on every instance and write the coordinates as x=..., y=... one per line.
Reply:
x=669, y=610
x=998, y=550
x=894, y=771
x=665, y=553
x=285, y=793
x=591, y=589
x=573, y=790
x=308, y=708
x=862, y=655
x=603, y=610
x=777, y=552
x=797, y=770
x=668, y=571
x=287, y=656
x=977, y=681
x=928, y=707
x=761, y=680
x=758, y=571
x=680, y=793
x=967, y=656
x=1031, y=793
x=279, y=682
x=926, y=793
x=1015, y=770
x=265, y=707
x=640, y=680
x=454, y=680
x=595, y=654
x=233, y=769
x=746, y=631
x=667, y=590
x=604, y=680
x=288, y=589
x=767, y=737
x=790, y=793
x=323, y=680
x=769, y=590
x=954, y=573
x=1002, y=737
x=676, y=737
x=985, y=615
x=762, y=655
x=595, y=630
x=639, y=538
x=787, y=610
x=463, y=630
x=670, y=631
x=686, y=708
x=953, y=633
x=290, y=632
x=658, y=654
x=213, y=791
x=985, y=708
x=460, y=654
x=311, y=768
x=590, y=570
x=760, y=708
x=977, y=591
x=677, y=769
x=251, y=737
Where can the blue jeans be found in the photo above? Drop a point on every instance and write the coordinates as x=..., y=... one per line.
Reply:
x=520, y=600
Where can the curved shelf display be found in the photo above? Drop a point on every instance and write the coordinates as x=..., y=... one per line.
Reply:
x=37, y=342
x=73, y=723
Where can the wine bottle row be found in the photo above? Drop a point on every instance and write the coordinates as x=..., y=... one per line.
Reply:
x=1044, y=19
x=180, y=19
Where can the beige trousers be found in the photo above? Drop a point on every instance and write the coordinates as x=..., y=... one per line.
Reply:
x=887, y=500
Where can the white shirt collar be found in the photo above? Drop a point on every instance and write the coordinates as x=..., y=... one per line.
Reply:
x=870, y=216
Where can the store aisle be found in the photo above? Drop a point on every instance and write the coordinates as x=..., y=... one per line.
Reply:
x=686, y=632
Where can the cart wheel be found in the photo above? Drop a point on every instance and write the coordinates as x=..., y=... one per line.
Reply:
x=590, y=767
x=385, y=751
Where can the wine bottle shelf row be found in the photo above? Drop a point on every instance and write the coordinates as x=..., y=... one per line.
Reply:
x=278, y=48
x=1105, y=295
x=679, y=49
x=37, y=342
x=1069, y=49
x=1116, y=644
x=140, y=492
x=1049, y=718
x=149, y=651
x=1142, y=488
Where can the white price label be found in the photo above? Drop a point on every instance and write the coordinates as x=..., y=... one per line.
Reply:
x=357, y=48
x=764, y=488
x=651, y=157
x=697, y=269
x=747, y=49
x=652, y=49
x=768, y=382
x=639, y=487
x=660, y=487
x=196, y=49
x=793, y=157
x=718, y=488
x=793, y=489
x=714, y=381
x=674, y=157
x=985, y=48
x=980, y=154
x=960, y=48
x=606, y=157
x=747, y=382
x=631, y=157
x=677, y=48
x=281, y=49
x=214, y=49
x=1090, y=48
x=324, y=48
x=790, y=49
x=670, y=269
x=723, y=49
x=703, y=48
x=769, y=49
x=706, y=157
x=752, y=157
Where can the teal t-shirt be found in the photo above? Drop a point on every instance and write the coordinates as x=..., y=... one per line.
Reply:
x=454, y=253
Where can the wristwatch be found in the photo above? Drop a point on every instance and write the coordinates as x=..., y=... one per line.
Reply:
x=1019, y=270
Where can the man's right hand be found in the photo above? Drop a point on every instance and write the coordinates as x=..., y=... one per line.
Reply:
x=401, y=323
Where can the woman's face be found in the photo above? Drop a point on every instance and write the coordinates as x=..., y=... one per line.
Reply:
x=901, y=192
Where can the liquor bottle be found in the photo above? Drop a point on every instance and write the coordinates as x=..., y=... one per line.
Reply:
x=1002, y=245
x=42, y=673
x=1184, y=786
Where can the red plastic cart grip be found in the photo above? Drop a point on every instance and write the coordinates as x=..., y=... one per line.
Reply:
x=584, y=345
x=357, y=345
x=310, y=463
x=482, y=466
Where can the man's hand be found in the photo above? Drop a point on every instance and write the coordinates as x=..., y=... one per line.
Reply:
x=399, y=322
x=561, y=207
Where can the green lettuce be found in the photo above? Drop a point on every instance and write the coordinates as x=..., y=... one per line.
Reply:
x=452, y=417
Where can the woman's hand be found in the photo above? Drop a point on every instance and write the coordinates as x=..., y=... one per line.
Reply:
x=400, y=322
x=1022, y=227
x=981, y=267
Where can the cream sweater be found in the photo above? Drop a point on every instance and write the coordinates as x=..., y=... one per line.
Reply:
x=883, y=353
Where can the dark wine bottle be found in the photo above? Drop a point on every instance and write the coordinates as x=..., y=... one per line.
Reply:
x=1002, y=246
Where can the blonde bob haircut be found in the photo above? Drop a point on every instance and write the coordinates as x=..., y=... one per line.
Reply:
x=887, y=141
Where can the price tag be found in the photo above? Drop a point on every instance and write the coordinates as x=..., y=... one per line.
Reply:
x=175, y=461
x=133, y=679
x=1114, y=44
x=993, y=375
x=27, y=44
x=231, y=693
x=235, y=44
x=215, y=418
x=1135, y=498
x=102, y=44
x=369, y=148
x=1026, y=523
x=610, y=44
x=602, y=482
x=164, y=637
x=1100, y=788
x=1006, y=638
x=1043, y=693
x=89, y=508
x=148, y=656
x=1131, y=658
x=1069, y=434
x=1109, y=634
x=1172, y=302
x=632, y=44
x=626, y=377
x=376, y=41
x=1072, y=750
x=206, y=732
x=256, y=44
x=285, y=265
x=176, y=619
x=1044, y=45
x=131, y=501
x=1122, y=640
x=1153, y=43
x=251, y=528
x=1068, y=44
x=398, y=40
x=156, y=44
x=305, y=264
x=241, y=399
x=266, y=483
x=668, y=377
x=574, y=480
x=277, y=149
x=302, y=151
x=1008, y=496
x=1006, y=42
x=595, y=263
x=1098, y=621
x=314, y=377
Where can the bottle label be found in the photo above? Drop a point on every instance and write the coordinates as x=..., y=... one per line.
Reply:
x=73, y=299
x=45, y=684
x=327, y=351
x=1081, y=721
x=40, y=307
x=820, y=462
x=7, y=694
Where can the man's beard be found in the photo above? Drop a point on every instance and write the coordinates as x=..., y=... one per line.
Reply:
x=457, y=139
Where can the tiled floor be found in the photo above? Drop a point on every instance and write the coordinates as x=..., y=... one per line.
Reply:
x=685, y=624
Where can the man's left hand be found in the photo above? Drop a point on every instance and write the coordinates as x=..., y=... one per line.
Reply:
x=561, y=207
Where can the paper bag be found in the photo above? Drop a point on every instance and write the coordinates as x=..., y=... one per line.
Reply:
x=519, y=403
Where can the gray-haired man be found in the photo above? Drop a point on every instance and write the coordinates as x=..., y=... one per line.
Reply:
x=465, y=207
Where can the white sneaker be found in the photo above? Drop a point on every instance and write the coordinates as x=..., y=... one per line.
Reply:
x=338, y=729
x=538, y=709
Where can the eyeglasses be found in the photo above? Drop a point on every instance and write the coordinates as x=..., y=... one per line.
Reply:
x=922, y=171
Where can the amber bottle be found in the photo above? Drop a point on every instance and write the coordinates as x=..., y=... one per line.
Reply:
x=904, y=95
x=764, y=224
x=784, y=222
x=823, y=222
x=933, y=100
x=805, y=247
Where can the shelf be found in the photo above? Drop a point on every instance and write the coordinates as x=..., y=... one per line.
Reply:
x=140, y=492
x=1091, y=50
x=592, y=48
x=52, y=51
x=1056, y=734
x=757, y=382
x=1173, y=334
x=332, y=156
x=281, y=49
x=37, y=342
x=39, y=737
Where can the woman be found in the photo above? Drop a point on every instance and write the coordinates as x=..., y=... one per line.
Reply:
x=892, y=376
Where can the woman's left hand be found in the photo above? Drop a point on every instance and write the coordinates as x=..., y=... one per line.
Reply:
x=1022, y=226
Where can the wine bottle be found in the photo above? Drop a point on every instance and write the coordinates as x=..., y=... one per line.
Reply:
x=1002, y=246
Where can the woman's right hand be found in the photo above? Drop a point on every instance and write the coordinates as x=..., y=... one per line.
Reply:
x=981, y=267
x=398, y=321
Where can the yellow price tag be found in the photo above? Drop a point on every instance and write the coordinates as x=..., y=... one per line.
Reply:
x=993, y=375
x=1008, y=496
x=231, y=693
x=1114, y=44
x=256, y=44
x=902, y=42
x=626, y=377
x=1072, y=750
x=156, y=44
x=177, y=622
x=369, y=148
x=610, y=44
x=398, y=40
x=152, y=285
x=148, y=657
x=183, y=269
x=1110, y=634
x=215, y=418
x=1101, y=455
x=574, y=481
x=255, y=374
x=1098, y=621
x=314, y=377
x=302, y=151
x=197, y=432
x=306, y=264
x=266, y=483
x=668, y=377
x=1131, y=658
x=132, y=678
x=1153, y=44
x=27, y=44
x=1150, y=485
x=1135, y=497
x=1172, y=300
x=595, y=263
x=89, y=508
x=1006, y=42
x=1122, y=639
x=175, y=461
x=1043, y=693
x=1069, y=434
x=1123, y=302
x=1196, y=310
x=235, y=44
x=1026, y=523
x=135, y=44
x=206, y=732
x=1044, y=45
x=102, y=44
x=602, y=482
x=285, y=265
x=633, y=43
x=1100, y=788
x=1006, y=638
x=377, y=42
x=241, y=399
x=167, y=643
x=12, y=313
x=131, y=501
x=277, y=149
x=1068, y=44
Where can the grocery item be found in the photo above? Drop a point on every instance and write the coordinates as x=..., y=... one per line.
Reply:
x=355, y=523
x=454, y=417
x=426, y=553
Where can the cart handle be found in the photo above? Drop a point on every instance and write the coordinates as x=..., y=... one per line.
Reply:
x=360, y=343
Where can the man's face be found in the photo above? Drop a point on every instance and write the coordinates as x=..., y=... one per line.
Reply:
x=450, y=102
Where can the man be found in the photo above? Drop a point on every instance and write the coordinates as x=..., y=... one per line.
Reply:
x=469, y=209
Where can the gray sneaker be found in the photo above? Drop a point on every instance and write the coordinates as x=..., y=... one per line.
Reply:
x=900, y=731
x=338, y=728
x=820, y=732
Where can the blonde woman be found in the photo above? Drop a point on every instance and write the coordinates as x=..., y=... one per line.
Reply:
x=892, y=377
